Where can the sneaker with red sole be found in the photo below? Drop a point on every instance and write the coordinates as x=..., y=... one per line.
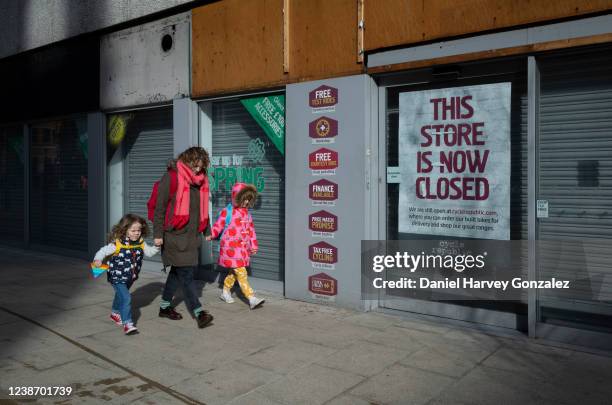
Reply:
x=130, y=329
x=115, y=317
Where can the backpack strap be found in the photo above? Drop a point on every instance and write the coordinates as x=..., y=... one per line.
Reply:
x=173, y=183
x=171, y=193
x=119, y=246
x=152, y=202
x=228, y=218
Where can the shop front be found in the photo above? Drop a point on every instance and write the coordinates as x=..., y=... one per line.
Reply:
x=456, y=163
x=44, y=164
x=245, y=137
x=508, y=149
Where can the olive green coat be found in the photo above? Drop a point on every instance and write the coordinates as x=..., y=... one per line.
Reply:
x=180, y=247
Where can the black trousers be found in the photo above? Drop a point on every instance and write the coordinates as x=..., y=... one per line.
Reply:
x=182, y=276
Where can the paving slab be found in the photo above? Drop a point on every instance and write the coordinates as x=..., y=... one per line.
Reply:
x=313, y=384
x=488, y=385
x=395, y=337
x=452, y=361
x=402, y=385
x=287, y=356
x=254, y=398
x=348, y=400
x=226, y=383
x=363, y=358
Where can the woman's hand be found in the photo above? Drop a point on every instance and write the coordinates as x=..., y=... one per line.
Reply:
x=208, y=238
x=98, y=263
x=158, y=242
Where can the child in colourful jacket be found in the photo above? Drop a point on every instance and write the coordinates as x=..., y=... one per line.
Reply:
x=238, y=242
x=125, y=252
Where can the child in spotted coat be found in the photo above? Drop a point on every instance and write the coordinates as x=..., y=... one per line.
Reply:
x=125, y=252
x=238, y=242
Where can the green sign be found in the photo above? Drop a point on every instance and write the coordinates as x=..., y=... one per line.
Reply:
x=269, y=112
x=229, y=175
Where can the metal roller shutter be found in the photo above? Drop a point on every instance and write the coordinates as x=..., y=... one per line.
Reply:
x=11, y=187
x=575, y=177
x=233, y=129
x=58, y=187
x=149, y=146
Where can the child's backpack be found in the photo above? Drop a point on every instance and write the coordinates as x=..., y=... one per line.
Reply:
x=155, y=191
x=228, y=218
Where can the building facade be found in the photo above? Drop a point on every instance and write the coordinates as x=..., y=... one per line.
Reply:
x=314, y=102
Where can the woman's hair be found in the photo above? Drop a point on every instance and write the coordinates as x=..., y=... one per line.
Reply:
x=193, y=155
x=119, y=231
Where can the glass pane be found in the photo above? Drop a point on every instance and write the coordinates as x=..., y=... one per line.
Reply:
x=518, y=179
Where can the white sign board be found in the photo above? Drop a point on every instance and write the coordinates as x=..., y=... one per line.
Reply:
x=454, y=151
x=542, y=211
x=393, y=175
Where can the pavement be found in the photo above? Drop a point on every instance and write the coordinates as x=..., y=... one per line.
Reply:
x=55, y=332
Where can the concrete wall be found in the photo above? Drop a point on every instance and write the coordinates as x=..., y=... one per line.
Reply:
x=136, y=70
x=29, y=24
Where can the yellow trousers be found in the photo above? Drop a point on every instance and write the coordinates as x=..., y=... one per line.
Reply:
x=241, y=274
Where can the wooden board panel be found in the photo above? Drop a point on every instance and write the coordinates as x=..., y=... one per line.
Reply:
x=323, y=39
x=237, y=45
x=401, y=22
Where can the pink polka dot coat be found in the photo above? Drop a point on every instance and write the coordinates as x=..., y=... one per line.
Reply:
x=239, y=239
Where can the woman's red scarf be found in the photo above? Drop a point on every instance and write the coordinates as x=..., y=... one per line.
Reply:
x=186, y=177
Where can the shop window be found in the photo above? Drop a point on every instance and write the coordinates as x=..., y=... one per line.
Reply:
x=58, y=184
x=12, y=155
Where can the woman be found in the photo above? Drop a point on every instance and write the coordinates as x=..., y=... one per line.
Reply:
x=180, y=218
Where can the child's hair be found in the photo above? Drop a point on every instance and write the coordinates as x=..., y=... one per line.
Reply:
x=249, y=192
x=193, y=155
x=119, y=230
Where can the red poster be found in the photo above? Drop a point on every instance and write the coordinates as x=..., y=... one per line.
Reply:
x=323, y=128
x=323, y=159
x=323, y=190
x=323, y=252
x=323, y=284
x=323, y=96
x=323, y=221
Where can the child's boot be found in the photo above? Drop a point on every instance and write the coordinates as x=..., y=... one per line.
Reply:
x=255, y=302
x=226, y=296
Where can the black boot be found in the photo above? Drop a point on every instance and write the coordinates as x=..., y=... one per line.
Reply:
x=204, y=319
x=170, y=313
